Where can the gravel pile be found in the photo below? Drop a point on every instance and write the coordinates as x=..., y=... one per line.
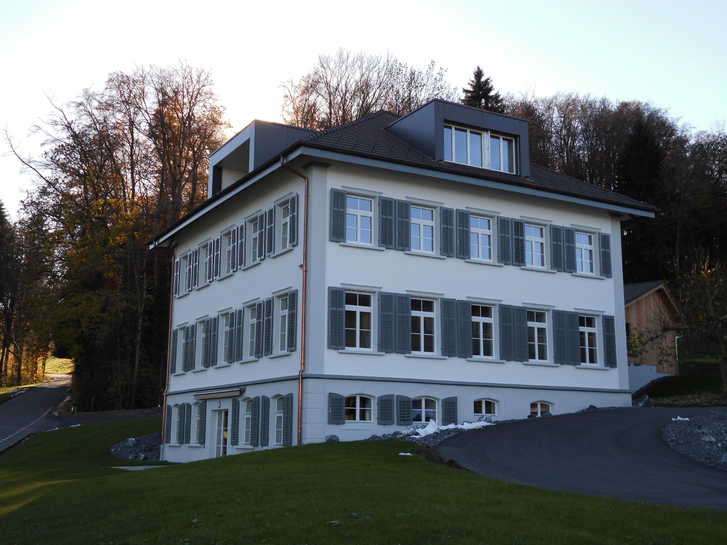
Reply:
x=429, y=440
x=143, y=448
x=702, y=438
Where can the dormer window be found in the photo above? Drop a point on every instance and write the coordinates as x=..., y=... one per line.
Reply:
x=481, y=149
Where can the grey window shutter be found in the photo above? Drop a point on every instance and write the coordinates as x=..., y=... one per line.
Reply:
x=193, y=349
x=506, y=332
x=520, y=337
x=609, y=341
x=336, y=316
x=463, y=234
x=255, y=423
x=387, y=322
x=168, y=425
x=210, y=261
x=261, y=236
x=449, y=410
x=386, y=222
x=268, y=328
x=447, y=244
x=605, y=245
x=293, y=222
x=188, y=428
x=259, y=332
x=229, y=335
x=175, y=340
x=338, y=216
x=464, y=329
x=403, y=324
x=335, y=409
x=270, y=231
x=180, y=424
x=202, y=429
x=239, y=334
x=233, y=248
x=175, y=280
x=214, y=329
x=241, y=242
x=235, y=422
x=216, y=257
x=569, y=250
x=557, y=248
x=385, y=410
x=403, y=231
x=449, y=327
x=504, y=240
x=292, y=320
x=264, y=421
x=205, y=325
x=518, y=243
x=403, y=411
x=288, y=421
x=565, y=338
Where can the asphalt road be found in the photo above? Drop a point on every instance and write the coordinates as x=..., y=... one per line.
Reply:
x=609, y=452
x=25, y=414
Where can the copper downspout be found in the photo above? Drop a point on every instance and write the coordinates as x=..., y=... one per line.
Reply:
x=303, y=299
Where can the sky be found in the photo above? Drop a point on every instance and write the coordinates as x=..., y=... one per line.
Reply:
x=670, y=53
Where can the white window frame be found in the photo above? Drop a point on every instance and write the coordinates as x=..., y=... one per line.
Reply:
x=421, y=315
x=485, y=151
x=228, y=251
x=421, y=224
x=581, y=249
x=185, y=271
x=481, y=321
x=279, y=421
x=197, y=423
x=358, y=408
x=202, y=330
x=247, y=421
x=207, y=262
x=254, y=229
x=283, y=230
x=250, y=329
x=536, y=326
x=227, y=331
x=178, y=423
x=483, y=414
x=502, y=137
x=540, y=406
x=358, y=310
x=280, y=329
x=585, y=330
x=480, y=233
x=359, y=214
x=531, y=242
x=423, y=409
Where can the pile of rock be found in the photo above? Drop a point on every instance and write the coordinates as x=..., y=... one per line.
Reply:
x=144, y=448
x=702, y=438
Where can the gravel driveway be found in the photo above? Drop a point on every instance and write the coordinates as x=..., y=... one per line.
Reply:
x=608, y=452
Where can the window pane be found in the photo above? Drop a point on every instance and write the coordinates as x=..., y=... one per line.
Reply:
x=474, y=245
x=415, y=324
x=365, y=205
x=478, y=407
x=447, y=143
x=460, y=145
x=427, y=306
x=531, y=351
x=350, y=319
x=428, y=326
x=366, y=229
x=430, y=404
x=476, y=347
x=475, y=149
x=415, y=343
x=476, y=310
x=495, y=153
x=427, y=214
x=533, y=231
x=486, y=311
x=428, y=238
x=351, y=228
x=487, y=348
x=415, y=244
x=365, y=339
x=428, y=343
x=507, y=156
x=416, y=304
x=364, y=300
x=351, y=298
x=351, y=202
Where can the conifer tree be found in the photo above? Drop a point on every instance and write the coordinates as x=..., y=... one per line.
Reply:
x=481, y=93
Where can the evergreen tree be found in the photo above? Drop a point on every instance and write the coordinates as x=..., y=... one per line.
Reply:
x=481, y=93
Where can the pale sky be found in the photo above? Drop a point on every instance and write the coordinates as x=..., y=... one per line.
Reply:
x=670, y=53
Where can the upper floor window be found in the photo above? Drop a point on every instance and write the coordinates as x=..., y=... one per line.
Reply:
x=469, y=147
x=208, y=261
x=482, y=331
x=283, y=304
x=285, y=228
x=584, y=253
x=587, y=339
x=358, y=409
x=480, y=238
x=254, y=322
x=422, y=229
x=537, y=335
x=256, y=238
x=423, y=409
x=422, y=326
x=358, y=320
x=229, y=251
x=359, y=219
x=534, y=245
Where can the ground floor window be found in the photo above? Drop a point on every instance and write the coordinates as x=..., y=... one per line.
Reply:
x=358, y=409
x=423, y=409
x=279, y=419
x=540, y=408
x=485, y=407
x=247, y=422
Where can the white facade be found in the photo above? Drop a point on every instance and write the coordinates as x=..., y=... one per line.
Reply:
x=510, y=387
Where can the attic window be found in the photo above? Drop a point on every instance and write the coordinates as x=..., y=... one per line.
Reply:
x=482, y=149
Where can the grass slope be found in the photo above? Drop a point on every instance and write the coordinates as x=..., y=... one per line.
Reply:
x=58, y=488
x=60, y=366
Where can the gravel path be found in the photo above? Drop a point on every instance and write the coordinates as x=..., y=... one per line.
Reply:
x=702, y=438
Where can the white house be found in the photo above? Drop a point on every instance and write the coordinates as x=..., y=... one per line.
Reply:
x=388, y=272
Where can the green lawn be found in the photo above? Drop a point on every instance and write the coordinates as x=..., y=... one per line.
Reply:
x=58, y=488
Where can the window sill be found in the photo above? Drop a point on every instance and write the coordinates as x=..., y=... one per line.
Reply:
x=226, y=275
x=426, y=356
x=199, y=370
x=279, y=355
x=179, y=374
x=244, y=447
x=540, y=364
x=538, y=269
x=202, y=286
x=485, y=360
x=282, y=252
x=248, y=360
x=222, y=366
x=425, y=254
x=593, y=367
x=173, y=445
x=483, y=262
x=251, y=265
x=195, y=446
x=183, y=295
x=362, y=352
x=362, y=246
x=591, y=276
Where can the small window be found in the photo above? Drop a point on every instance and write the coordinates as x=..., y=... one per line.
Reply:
x=464, y=146
x=584, y=253
x=358, y=409
x=537, y=335
x=534, y=245
x=422, y=229
x=422, y=326
x=481, y=238
x=358, y=320
x=587, y=343
x=485, y=408
x=254, y=322
x=423, y=409
x=279, y=419
x=283, y=308
x=483, y=342
x=540, y=408
x=247, y=422
x=359, y=219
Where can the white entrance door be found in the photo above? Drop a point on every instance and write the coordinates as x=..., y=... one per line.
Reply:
x=222, y=432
